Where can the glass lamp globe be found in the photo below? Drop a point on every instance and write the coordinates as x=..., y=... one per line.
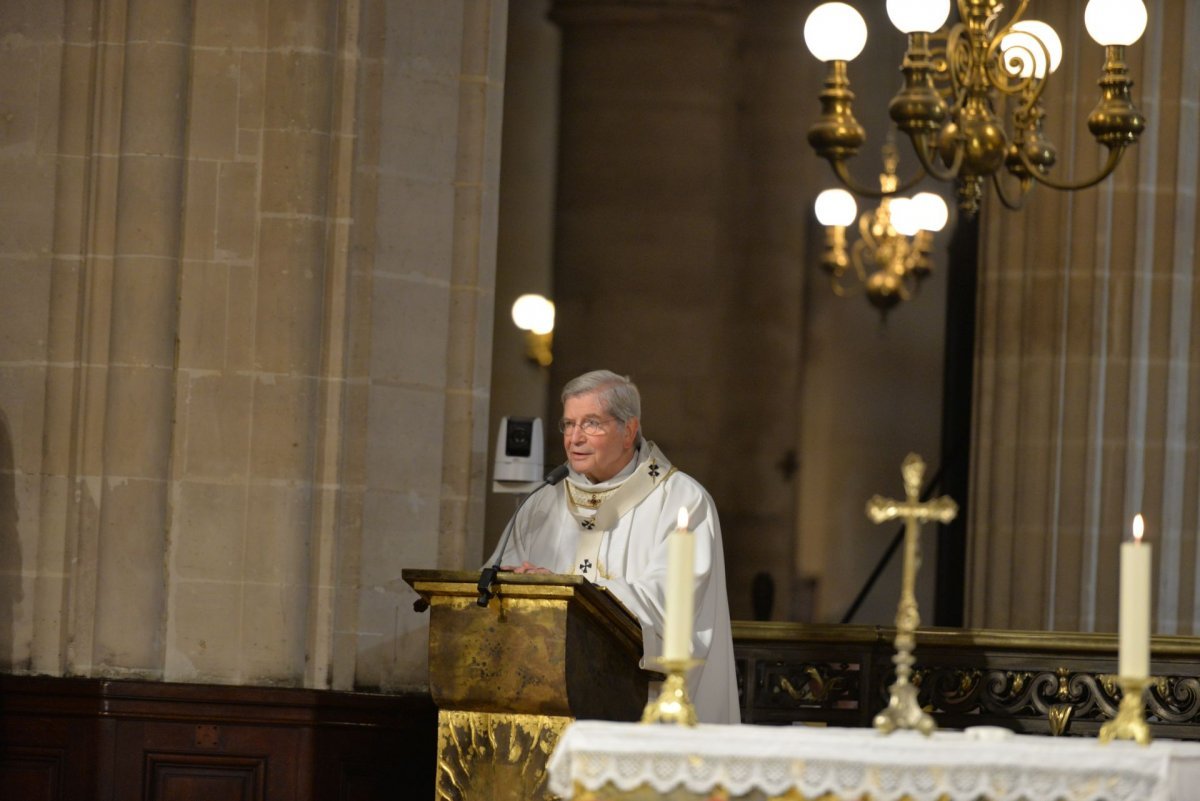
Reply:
x=1115, y=22
x=904, y=216
x=918, y=16
x=836, y=207
x=533, y=313
x=835, y=32
x=1022, y=44
x=932, y=213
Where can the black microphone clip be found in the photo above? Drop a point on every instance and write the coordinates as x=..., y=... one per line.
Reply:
x=485, y=584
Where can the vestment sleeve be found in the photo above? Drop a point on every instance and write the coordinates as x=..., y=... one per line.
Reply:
x=533, y=538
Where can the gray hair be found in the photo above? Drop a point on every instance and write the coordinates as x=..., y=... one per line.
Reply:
x=617, y=393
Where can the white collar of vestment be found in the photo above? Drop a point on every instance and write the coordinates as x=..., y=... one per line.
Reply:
x=597, y=507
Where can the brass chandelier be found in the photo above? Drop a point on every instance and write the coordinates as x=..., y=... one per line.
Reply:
x=891, y=256
x=970, y=102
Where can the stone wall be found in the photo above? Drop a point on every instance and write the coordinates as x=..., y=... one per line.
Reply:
x=1088, y=357
x=246, y=269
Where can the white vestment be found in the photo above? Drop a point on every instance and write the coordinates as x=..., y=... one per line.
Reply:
x=615, y=534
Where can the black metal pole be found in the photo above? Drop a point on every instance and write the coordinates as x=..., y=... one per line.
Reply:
x=958, y=382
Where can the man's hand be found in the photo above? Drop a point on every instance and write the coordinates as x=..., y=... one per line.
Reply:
x=527, y=567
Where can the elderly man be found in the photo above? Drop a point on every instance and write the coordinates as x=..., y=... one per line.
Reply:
x=609, y=521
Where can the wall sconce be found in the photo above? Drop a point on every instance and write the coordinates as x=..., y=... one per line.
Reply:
x=891, y=256
x=534, y=315
x=971, y=99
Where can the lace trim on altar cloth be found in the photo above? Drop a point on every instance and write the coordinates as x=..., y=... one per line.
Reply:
x=849, y=763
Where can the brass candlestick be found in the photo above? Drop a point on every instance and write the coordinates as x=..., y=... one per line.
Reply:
x=672, y=704
x=1130, y=722
x=903, y=711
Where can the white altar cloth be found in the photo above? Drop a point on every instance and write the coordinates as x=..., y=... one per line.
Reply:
x=961, y=766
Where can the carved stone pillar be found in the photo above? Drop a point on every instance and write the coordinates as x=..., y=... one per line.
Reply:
x=679, y=253
x=246, y=269
x=111, y=324
x=1089, y=359
x=642, y=207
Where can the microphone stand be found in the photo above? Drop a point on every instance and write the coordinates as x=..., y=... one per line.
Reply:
x=488, y=575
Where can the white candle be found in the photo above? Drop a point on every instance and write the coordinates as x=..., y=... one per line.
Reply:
x=1134, y=653
x=677, y=634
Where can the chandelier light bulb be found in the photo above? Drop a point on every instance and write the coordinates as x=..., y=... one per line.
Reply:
x=1022, y=44
x=836, y=207
x=904, y=216
x=931, y=211
x=918, y=16
x=835, y=32
x=533, y=313
x=1115, y=22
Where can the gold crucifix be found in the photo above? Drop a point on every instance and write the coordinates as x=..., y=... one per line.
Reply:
x=903, y=711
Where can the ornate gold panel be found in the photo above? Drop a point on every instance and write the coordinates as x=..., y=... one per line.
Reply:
x=495, y=757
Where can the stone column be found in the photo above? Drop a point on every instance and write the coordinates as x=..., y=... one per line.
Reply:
x=247, y=265
x=756, y=482
x=643, y=206
x=431, y=156
x=112, y=326
x=1088, y=359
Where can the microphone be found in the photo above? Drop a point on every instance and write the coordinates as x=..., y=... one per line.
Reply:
x=488, y=576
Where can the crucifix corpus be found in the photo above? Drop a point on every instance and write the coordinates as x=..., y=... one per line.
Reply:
x=903, y=711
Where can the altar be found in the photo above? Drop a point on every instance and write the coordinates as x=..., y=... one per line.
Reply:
x=602, y=761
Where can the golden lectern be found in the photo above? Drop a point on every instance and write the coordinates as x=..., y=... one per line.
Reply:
x=507, y=678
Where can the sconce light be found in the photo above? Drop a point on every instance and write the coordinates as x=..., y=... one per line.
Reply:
x=534, y=315
x=971, y=103
x=891, y=256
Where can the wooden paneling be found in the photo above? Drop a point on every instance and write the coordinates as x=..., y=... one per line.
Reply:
x=1021, y=680
x=32, y=773
x=188, y=777
x=84, y=739
x=219, y=762
x=47, y=757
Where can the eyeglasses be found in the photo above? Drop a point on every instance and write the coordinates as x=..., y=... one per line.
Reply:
x=588, y=425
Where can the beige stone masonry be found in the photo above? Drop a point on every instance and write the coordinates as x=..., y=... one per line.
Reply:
x=208, y=409
x=1088, y=350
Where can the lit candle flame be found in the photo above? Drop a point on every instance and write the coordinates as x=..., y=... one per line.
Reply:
x=683, y=518
x=1139, y=527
